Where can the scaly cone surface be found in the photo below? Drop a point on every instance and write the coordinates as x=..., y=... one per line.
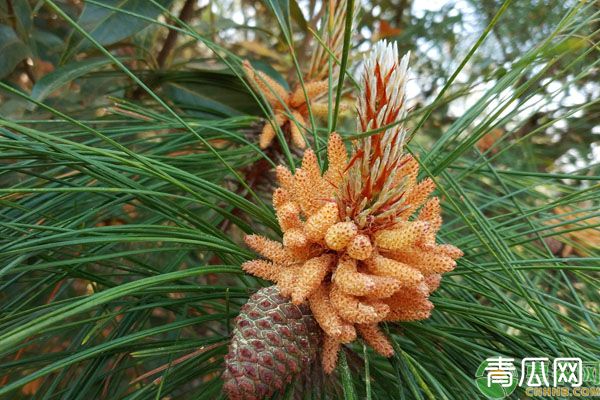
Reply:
x=359, y=242
x=274, y=340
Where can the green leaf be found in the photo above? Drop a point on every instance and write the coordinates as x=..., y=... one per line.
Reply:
x=197, y=103
x=298, y=16
x=347, y=380
x=204, y=92
x=48, y=46
x=64, y=75
x=12, y=49
x=108, y=26
x=22, y=17
x=281, y=9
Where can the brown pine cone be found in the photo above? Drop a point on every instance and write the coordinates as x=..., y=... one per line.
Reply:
x=273, y=341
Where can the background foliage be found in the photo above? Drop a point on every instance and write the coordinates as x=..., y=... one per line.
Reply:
x=129, y=172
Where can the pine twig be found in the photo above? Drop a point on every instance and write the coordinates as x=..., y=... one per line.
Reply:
x=186, y=13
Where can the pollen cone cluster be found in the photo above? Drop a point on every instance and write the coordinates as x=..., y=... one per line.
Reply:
x=353, y=276
x=290, y=108
x=359, y=240
x=274, y=341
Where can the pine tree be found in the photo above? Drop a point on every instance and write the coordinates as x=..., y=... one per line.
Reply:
x=166, y=167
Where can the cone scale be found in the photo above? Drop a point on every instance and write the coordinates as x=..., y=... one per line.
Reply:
x=273, y=342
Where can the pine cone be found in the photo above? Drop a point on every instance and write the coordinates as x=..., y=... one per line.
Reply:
x=273, y=341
